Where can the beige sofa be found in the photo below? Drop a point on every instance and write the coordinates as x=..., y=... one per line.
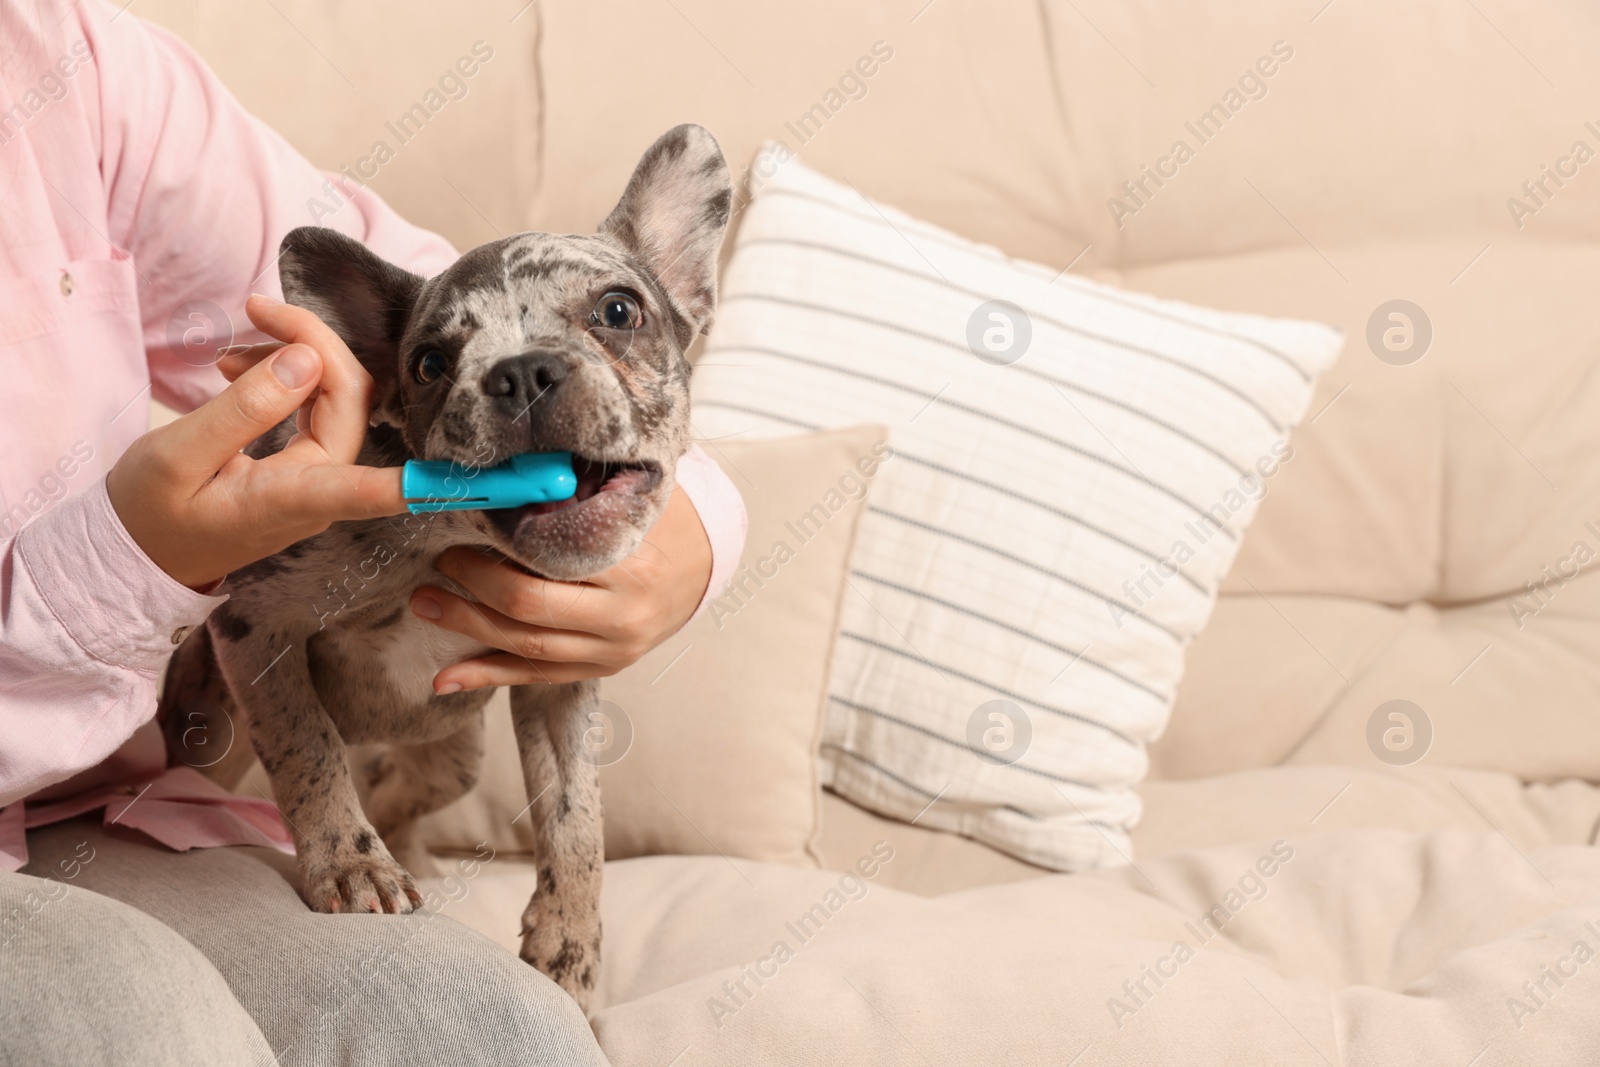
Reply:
x=1426, y=542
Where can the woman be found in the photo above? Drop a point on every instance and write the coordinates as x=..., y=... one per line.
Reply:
x=135, y=190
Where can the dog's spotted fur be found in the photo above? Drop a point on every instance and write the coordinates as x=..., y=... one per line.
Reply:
x=316, y=644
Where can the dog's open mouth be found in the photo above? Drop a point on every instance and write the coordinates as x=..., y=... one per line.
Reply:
x=597, y=482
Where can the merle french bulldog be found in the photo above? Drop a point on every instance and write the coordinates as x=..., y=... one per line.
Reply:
x=534, y=343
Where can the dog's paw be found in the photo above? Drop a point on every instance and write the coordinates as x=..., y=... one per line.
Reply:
x=370, y=883
x=567, y=956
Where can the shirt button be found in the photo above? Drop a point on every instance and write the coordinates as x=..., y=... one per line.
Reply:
x=66, y=284
x=180, y=633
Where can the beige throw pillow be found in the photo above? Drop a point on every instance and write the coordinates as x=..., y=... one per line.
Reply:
x=708, y=745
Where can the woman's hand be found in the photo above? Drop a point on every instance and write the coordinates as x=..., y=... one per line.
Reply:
x=566, y=631
x=200, y=508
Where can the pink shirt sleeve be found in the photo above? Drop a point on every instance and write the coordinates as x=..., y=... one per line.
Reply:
x=722, y=513
x=88, y=624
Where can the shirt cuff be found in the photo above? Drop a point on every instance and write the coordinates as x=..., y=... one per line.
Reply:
x=722, y=513
x=111, y=598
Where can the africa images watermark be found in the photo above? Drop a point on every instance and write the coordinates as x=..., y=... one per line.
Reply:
x=1252, y=85
x=452, y=86
x=1538, y=191
x=1250, y=888
x=851, y=86
x=51, y=489
x=50, y=89
x=1537, y=593
x=852, y=886
x=1539, y=991
x=452, y=889
x=53, y=887
x=1399, y=732
x=1251, y=487
x=751, y=578
x=351, y=586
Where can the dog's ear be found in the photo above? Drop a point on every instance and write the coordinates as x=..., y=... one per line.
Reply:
x=364, y=299
x=672, y=217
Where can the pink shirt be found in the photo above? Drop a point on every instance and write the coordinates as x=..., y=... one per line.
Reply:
x=139, y=204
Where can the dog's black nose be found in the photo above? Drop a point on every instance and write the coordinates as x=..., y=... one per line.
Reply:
x=518, y=382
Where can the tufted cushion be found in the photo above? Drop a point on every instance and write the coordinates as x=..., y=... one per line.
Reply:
x=1375, y=946
x=944, y=102
x=1394, y=550
x=1399, y=931
x=1414, y=121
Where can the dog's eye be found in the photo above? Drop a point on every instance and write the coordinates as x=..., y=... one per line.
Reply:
x=617, y=311
x=432, y=364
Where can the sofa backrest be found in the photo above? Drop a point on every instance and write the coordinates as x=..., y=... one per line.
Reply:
x=339, y=80
x=1427, y=540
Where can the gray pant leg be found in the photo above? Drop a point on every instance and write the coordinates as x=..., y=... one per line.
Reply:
x=85, y=981
x=336, y=989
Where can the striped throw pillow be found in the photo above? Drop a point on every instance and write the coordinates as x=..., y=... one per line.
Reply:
x=1073, y=467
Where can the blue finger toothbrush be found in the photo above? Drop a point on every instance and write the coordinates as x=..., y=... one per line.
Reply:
x=531, y=478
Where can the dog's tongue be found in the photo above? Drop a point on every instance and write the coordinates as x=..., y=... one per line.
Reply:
x=591, y=476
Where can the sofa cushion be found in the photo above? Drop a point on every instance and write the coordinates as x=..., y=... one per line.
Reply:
x=1254, y=804
x=1391, y=917
x=1451, y=478
x=1425, y=540
x=1074, y=466
x=929, y=862
x=1019, y=123
x=863, y=91
x=1326, y=798
x=1374, y=946
x=1337, y=124
x=709, y=741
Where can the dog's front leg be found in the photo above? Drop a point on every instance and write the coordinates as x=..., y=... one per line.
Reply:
x=344, y=865
x=561, y=927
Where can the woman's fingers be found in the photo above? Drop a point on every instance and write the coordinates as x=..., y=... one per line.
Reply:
x=236, y=359
x=338, y=420
x=503, y=668
x=200, y=443
x=484, y=623
x=511, y=591
x=320, y=493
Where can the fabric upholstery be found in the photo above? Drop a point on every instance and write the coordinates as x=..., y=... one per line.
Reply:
x=1381, y=164
x=1074, y=466
x=724, y=717
x=1413, y=906
x=1393, y=556
x=1385, y=124
x=943, y=102
x=341, y=82
x=1384, y=157
x=1422, y=502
